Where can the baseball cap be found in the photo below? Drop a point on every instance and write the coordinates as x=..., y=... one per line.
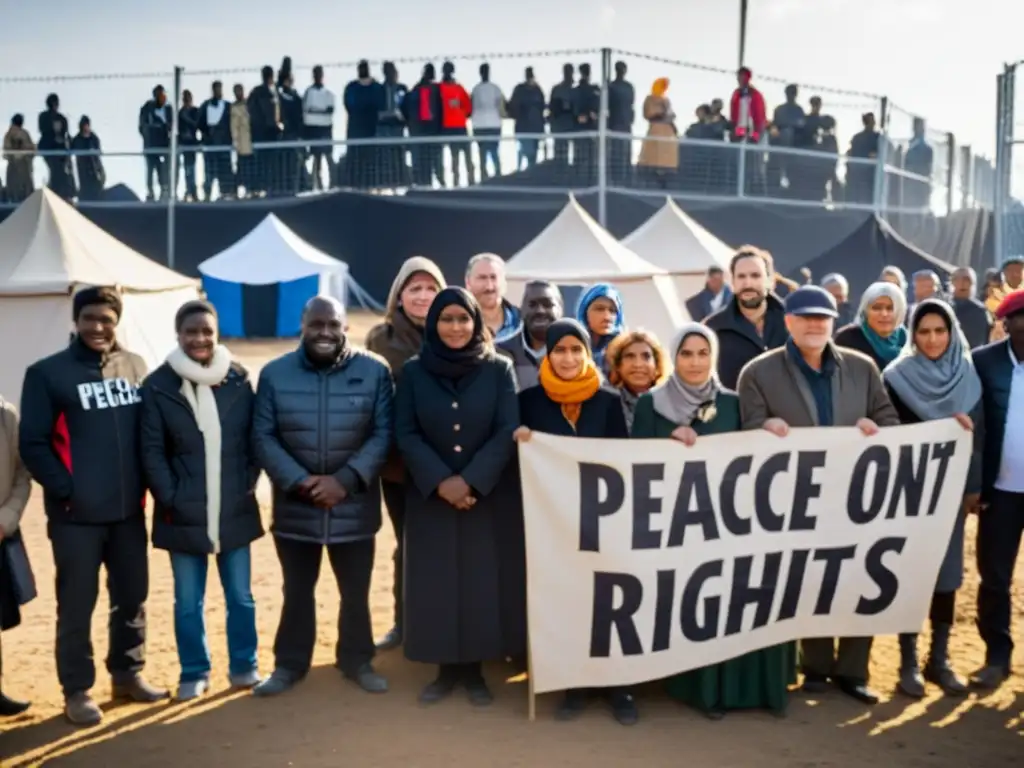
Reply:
x=809, y=301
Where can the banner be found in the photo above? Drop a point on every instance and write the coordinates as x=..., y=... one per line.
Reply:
x=646, y=558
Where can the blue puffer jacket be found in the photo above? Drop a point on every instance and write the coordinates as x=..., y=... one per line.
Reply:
x=335, y=421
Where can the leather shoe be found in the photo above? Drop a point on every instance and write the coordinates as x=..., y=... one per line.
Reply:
x=11, y=707
x=367, y=678
x=911, y=683
x=392, y=640
x=857, y=690
x=989, y=677
x=949, y=681
x=815, y=684
x=134, y=687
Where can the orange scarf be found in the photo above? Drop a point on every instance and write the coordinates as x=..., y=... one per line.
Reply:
x=571, y=394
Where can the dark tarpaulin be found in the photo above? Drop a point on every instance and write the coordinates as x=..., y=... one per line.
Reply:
x=874, y=245
x=259, y=310
x=376, y=233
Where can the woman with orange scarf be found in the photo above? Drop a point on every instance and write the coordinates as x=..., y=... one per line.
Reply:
x=660, y=151
x=570, y=402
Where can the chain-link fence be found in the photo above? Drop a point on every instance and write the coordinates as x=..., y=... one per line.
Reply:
x=1009, y=170
x=814, y=150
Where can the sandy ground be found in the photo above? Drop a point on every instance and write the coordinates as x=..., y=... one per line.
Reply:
x=328, y=722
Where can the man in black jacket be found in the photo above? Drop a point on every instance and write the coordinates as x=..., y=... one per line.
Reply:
x=215, y=127
x=79, y=440
x=562, y=113
x=391, y=124
x=753, y=321
x=974, y=317
x=621, y=103
x=541, y=306
x=188, y=140
x=421, y=109
x=267, y=126
x=586, y=106
x=155, y=123
x=322, y=431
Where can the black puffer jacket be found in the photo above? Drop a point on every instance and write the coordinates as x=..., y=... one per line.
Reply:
x=334, y=421
x=79, y=434
x=174, y=458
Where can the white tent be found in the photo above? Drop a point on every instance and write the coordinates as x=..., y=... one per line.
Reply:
x=672, y=240
x=48, y=250
x=575, y=250
x=270, y=255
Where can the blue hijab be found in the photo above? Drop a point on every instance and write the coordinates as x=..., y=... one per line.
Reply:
x=599, y=344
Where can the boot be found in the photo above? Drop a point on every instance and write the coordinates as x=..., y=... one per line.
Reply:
x=911, y=682
x=134, y=687
x=938, y=670
x=11, y=707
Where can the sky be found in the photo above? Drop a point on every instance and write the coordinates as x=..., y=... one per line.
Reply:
x=936, y=58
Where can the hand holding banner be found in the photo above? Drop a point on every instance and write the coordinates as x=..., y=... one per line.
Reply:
x=648, y=558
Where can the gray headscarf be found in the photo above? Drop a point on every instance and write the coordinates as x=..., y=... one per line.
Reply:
x=935, y=389
x=676, y=400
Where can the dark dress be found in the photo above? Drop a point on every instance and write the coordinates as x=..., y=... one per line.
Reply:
x=756, y=680
x=445, y=428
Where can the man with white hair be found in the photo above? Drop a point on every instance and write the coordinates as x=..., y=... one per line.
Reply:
x=838, y=286
x=485, y=279
x=974, y=318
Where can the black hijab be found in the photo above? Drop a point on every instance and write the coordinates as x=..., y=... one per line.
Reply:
x=440, y=359
x=566, y=326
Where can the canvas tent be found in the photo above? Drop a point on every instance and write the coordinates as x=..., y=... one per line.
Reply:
x=674, y=241
x=575, y=251
x=48, y=250
x=261, y=283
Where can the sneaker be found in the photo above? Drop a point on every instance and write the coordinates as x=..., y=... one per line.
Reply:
x=80, y=709
x=367, y=678
x=280, y=681
x=12, y=707
x=192, y=689
x=479, y=694
x=246, y=680
x=137, y=689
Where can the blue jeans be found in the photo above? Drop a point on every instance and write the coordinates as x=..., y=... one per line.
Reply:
x=189, y=622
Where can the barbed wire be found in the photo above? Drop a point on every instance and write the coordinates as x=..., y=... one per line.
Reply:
x=732, y=72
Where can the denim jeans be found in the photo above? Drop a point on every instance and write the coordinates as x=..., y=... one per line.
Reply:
x=189, y=623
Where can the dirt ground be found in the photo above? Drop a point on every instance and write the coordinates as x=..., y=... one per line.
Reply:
x=326, y=721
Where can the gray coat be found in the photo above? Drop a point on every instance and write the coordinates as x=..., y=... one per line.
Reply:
x=335, y=421
x=526, y=368
x=772, y=386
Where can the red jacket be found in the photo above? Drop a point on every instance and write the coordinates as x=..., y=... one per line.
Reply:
x=758, y=116
x=456, y=106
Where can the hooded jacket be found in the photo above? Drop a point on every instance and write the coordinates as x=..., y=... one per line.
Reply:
x=79, y=435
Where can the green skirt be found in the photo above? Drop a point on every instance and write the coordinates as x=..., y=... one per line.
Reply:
x=758, y=680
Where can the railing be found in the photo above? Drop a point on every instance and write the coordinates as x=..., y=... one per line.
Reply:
x=511, y=163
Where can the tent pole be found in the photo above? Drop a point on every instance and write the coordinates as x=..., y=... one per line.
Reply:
x=172, y=168
x=602, y=140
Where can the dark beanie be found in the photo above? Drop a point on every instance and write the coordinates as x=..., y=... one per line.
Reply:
x=194, y=307
x=88, y=297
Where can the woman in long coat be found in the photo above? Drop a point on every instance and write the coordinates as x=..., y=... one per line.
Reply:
x=660, y=150
x=455, y=412
x=935, y=379
x=691, y=404
x=15, y=486
x=570, y=401
x=878, y=331
x=397, y=339
x=196, y=437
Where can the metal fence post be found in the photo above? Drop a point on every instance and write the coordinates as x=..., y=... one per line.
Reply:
x=966, y=176
x=883, y=116
x=172, y=182
x=950, y=170
x=880, y=193
x=1001, y=147
x=602, y=139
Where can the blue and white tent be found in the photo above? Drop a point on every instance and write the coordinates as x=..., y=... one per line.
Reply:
x=260, y=284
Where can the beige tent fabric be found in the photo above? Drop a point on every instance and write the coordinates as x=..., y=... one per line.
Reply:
x=47, y=251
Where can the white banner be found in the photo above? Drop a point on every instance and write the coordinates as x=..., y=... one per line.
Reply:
x=647, y=558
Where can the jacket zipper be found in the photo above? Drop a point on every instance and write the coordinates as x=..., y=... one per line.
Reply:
x=322, y=443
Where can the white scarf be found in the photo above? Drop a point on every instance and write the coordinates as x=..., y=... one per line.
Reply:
x=204, y=407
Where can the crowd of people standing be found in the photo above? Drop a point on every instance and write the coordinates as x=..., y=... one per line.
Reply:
x=427, y=419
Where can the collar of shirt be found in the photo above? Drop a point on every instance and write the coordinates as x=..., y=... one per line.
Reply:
x=1018, y=365
x=828, y=363
x=534, y=354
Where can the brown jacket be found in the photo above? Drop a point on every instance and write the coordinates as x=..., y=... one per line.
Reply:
x=772, y=386
x=15, y=483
